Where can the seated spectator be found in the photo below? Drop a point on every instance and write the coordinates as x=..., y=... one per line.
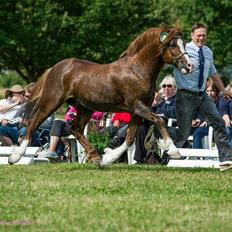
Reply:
x=225, y=109
x=118, y=128
x=62, y=128
x=12, y=133
x=164, y=104
x=203, y=128
x=94, y=123
x=14, y=97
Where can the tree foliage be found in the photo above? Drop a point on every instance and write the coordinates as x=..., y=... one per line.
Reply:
x=35, y=34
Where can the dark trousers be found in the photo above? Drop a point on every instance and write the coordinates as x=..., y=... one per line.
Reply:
x=140, y=151
x=60, y=128
x=186, y=105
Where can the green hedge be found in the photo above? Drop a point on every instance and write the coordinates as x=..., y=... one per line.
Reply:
x=99, y=141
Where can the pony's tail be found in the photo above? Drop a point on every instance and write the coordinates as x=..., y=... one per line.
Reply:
x=32, y=106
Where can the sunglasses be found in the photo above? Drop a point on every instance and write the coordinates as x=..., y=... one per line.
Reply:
x=169, y=86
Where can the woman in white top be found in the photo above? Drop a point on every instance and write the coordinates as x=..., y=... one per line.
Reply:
x=14, y=97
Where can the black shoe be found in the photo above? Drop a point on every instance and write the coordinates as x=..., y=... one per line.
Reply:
x=165, y=158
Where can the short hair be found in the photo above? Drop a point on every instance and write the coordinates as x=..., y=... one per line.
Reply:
x=198, y=25
x=170, y=78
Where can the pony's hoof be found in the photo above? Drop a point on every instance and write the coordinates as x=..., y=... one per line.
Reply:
x=106, y=160
x=93, y=160
x=173, y=152
x=96, y=162
x=14, y=158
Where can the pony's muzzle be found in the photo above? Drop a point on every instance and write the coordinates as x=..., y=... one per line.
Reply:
x=187, y=69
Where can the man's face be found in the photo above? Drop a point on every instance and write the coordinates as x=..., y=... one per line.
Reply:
x=199, y=36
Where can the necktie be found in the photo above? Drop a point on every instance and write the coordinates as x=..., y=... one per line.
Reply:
x=201, y=68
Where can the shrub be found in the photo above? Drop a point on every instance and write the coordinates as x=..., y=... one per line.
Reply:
x=99, y=141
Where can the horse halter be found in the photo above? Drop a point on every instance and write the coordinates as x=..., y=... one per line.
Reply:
x=167, y=45
x=175, y=58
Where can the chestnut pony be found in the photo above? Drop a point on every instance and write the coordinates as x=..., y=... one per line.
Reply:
x=126, y=85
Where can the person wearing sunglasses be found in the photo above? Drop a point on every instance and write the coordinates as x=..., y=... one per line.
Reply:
x=164, y=104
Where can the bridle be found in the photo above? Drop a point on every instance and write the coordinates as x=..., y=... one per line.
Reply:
x=175, y=58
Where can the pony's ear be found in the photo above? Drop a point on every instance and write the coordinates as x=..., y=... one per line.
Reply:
x=178, y=27
x=163, y=36
x=123, y=54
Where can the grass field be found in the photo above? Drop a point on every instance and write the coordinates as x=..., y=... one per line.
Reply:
x=72, y=197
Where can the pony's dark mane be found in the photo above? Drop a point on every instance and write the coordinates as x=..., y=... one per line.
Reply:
x=148, y=37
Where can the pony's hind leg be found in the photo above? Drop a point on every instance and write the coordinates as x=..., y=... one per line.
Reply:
x=83, y=117
x=112, y=155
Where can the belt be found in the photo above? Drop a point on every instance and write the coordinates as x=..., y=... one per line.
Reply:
x=191, y=92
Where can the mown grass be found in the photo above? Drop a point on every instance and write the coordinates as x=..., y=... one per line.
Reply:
x=72, y=197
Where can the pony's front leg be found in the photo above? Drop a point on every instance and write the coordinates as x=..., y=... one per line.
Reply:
x=78, y=126
x=111, y=155
x=92, y=155
x=166, y=143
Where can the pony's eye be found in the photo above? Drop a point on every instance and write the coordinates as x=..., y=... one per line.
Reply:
x=173, y=43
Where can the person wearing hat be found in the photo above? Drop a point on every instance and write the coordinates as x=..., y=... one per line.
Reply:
x=14, y=97
x=14, y=130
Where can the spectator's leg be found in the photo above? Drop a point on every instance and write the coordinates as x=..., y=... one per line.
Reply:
x=140, y=151
x=119, y=137
x=229, y=131
x=59, y=129
x=35, y=139
x=6, y=141
x=53, y=143
x=111, y=130
x=198, y=134
x=8, y=135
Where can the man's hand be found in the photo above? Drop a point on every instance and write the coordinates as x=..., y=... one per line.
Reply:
x=196, y=122
x=157, y=99
x=4, y=122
